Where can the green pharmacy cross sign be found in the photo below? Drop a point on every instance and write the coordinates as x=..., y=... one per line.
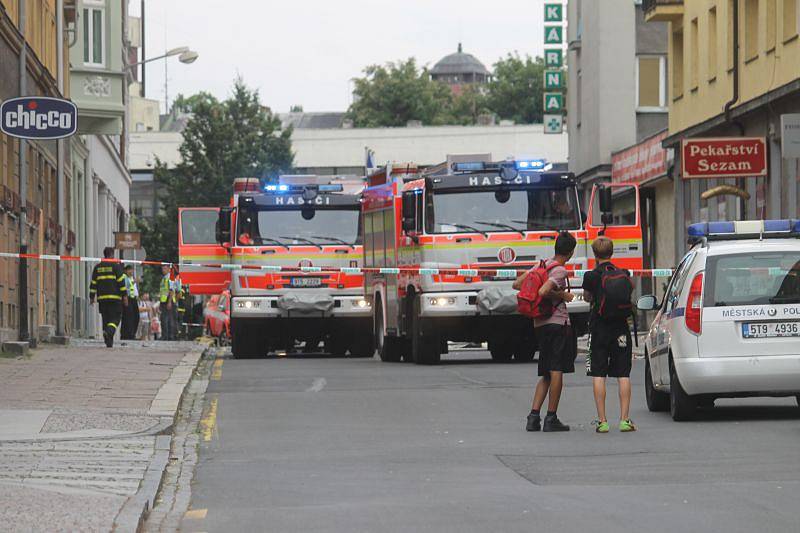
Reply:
x=553, y=12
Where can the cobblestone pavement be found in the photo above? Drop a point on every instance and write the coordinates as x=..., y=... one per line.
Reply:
x=77, y=429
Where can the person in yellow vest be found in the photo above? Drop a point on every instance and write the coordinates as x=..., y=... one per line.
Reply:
x=179, y=290
x=167, y=306
x=130, y=312
x=108, y=288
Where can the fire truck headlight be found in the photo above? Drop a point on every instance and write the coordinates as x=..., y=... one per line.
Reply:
x=362, y=303
x=443, y=301
x=247, y=304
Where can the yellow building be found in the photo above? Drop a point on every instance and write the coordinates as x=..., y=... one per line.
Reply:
x=44, y=234
x=734, y=69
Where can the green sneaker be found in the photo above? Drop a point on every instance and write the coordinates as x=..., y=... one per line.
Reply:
x=626, y=426
x=602, y=426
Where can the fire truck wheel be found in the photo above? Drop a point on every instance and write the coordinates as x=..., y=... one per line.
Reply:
x=363, y=346
x=424, y=342
x=525, y=349
x=502, y=349
x=390, y=349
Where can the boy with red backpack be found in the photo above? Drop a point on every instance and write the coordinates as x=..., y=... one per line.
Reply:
x=609, y=290
x=543, y=296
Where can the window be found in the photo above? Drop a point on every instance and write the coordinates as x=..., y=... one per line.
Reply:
x=712, y=43
x=94, y=34
x=772, y=24
x=750, y=29
x=677, y=64
x=753, y=279
x=695, y=59
x=790, y=19
x=651, y=83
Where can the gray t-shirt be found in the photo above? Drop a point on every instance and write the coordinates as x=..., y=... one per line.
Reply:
x=560, y=315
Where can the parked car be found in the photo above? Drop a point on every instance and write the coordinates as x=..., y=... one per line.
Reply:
x=729, y=323
x=217, y=316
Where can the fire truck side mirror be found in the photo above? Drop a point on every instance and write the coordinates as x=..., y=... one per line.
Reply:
x=409, y=211
x=224, y=225
x=606, y=201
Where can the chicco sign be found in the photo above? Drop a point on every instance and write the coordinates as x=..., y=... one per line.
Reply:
x=38, y=117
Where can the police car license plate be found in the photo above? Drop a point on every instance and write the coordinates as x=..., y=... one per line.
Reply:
x=306, y=282
x=756, y=330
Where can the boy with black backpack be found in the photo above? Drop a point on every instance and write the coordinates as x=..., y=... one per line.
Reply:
x=609, y=290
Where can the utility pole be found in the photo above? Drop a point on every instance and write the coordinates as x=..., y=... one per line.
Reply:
x=60, y=194
x=144, y=40
x=24, y=330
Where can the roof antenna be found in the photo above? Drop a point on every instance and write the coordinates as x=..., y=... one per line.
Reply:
x=460, y=48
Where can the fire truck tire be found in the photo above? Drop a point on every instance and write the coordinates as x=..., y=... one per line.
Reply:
x=425, y=344
x=390, y=349
x=502, y=349
x=246, y=343
x=363, y=346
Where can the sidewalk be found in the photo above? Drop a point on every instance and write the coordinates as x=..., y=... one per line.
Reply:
x=79, y=426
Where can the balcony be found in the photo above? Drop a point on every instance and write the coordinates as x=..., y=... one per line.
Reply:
x=662, y=10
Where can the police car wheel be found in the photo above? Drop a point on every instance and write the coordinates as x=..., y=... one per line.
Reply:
x=657, y=401
x=682, y=407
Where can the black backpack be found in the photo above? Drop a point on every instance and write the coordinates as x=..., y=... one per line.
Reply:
x=615, y=292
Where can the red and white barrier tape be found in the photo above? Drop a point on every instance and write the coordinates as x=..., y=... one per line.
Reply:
x=466, y=272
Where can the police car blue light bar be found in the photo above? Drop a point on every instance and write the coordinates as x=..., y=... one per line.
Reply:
x=732, y=229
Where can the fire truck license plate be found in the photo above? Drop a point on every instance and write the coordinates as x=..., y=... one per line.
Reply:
x=306, y=282
x=755, y=330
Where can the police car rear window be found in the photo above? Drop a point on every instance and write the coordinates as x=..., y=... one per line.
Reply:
x=752, y=279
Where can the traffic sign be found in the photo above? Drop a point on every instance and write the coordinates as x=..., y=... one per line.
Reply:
x=553, y=34
x=553, y=58
x=127, y=240
x=553, y=102
x=553, y=79
x=554, y=12
x=553, y=124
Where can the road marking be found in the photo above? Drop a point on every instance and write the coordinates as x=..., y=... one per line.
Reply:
x=196, y=514
x=216, y=371
x=318, y=385
x=208, y=424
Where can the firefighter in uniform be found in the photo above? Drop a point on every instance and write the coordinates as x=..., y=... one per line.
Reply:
x=166, y=307
x=130, y=312
x=108, y=288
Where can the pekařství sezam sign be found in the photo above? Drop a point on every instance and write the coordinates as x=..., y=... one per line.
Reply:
x=38, y=117
x=724, y=157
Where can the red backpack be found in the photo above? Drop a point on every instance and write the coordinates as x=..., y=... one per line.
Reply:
x=529, y=302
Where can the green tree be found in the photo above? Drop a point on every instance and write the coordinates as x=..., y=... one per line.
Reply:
x=470, y=103
x=222, y=140
x=516, y=90
x=390, y=95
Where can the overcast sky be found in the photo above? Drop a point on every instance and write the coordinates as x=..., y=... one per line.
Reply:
x=305, y=52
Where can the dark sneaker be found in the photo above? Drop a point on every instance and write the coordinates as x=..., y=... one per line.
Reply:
x=552, y=423
x=534, y=423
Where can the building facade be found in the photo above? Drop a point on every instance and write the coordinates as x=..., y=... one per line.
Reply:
x=735, y=71
x=46, y=230
x=617, y=105
x=459, y=70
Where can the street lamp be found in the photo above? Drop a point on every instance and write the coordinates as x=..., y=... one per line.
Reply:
x=184, y=53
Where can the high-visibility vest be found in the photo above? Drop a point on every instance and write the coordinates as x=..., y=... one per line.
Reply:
x=130, y=285
x=163, y=293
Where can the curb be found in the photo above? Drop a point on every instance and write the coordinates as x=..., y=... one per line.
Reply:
x=165, y=405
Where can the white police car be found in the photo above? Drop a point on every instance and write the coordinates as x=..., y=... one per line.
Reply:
x=729, y=324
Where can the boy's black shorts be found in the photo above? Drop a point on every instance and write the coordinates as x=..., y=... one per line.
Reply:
x=610, y=350
x=558, y=348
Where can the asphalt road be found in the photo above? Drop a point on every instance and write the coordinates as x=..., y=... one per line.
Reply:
x=326, y=444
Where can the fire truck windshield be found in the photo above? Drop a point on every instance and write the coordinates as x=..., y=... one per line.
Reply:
x=503, y=210
x=295, y=227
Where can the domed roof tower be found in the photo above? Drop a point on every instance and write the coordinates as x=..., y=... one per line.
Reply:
x=460, y=69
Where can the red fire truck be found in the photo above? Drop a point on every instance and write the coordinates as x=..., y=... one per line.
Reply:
x=287, y=237
x=468, y=218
